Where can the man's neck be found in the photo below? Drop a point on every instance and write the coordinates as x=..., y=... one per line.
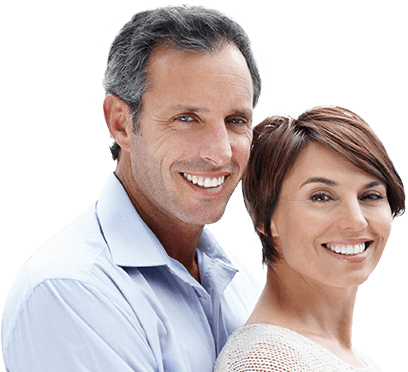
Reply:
x=179, y=241
x=178, y=238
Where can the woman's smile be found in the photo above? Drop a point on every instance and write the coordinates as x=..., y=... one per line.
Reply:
x=348, y=247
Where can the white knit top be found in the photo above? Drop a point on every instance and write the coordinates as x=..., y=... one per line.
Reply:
x=264, y=348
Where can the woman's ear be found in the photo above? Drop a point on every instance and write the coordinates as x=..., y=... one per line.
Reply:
x=119, y=120
x=274, y=230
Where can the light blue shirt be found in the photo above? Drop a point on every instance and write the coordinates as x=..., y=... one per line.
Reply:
x=103, y=295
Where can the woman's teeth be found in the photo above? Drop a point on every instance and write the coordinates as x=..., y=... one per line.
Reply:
x=347, y=249
x=204, y=181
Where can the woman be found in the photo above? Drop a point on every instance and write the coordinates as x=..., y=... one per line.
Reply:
x=321, y=192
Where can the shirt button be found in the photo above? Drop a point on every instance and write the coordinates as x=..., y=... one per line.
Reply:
x=202, y=300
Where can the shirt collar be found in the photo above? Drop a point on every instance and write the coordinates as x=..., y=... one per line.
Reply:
x=130, y=240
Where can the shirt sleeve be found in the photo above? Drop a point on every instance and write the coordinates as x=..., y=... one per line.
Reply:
x=66, y=325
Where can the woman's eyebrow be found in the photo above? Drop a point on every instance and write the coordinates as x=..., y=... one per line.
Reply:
x=332, y=183
x=373, y=184
x=319, y=180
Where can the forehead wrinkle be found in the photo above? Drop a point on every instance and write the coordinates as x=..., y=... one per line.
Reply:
x=239, y=82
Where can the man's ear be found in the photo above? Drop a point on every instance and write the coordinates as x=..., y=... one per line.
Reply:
x=119, y=120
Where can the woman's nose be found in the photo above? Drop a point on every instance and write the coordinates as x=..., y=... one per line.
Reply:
x=352, y=217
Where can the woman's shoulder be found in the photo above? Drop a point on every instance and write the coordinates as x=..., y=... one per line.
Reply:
x=265, y=347
x=262, y=347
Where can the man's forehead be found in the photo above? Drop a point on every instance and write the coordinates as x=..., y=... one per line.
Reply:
x=196, y=70
x=166, y=54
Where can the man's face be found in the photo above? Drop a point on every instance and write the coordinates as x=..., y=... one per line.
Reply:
x=195, y=134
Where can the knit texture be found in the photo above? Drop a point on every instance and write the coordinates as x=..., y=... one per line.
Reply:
x=264, y=348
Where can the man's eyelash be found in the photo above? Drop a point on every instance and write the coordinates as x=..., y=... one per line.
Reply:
x=185, y=118
x=237, y=121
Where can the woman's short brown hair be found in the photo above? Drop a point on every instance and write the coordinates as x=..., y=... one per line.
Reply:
x=278, y=141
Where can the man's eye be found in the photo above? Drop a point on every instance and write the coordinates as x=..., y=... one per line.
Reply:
x=320, y=197
x=237, y=121
x=185, y=118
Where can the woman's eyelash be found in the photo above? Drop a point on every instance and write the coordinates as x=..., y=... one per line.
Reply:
x=373, y=196
x=320, y=197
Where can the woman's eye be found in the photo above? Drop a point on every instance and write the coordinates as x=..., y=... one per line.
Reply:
x=320, y=197
x=374, y=196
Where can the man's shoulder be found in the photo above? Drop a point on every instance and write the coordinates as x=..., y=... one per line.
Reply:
x=77, y=256
x=71, y=253
x=74, y=253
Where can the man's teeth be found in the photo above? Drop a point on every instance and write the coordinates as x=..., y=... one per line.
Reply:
x=347, y=249
x=205, y=181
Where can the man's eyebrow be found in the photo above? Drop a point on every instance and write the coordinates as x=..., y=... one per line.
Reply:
x=319, y=180
x=243, y=112
x=186, y=108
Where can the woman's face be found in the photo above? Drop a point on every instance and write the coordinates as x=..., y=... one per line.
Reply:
x=332, y=220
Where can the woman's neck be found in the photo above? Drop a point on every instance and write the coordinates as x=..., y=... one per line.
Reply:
x=323, y=314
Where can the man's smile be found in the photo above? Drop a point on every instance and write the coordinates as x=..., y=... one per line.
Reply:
x=205, y=182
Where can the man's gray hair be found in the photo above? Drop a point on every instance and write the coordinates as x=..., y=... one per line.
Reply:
x=186, y=28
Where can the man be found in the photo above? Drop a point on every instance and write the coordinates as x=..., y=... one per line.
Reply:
x=137, y=283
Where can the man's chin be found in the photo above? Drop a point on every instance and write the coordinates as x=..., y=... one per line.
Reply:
x=200, y=218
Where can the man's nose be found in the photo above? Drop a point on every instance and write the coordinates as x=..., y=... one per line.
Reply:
x=352, y=216
x=216, y=145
